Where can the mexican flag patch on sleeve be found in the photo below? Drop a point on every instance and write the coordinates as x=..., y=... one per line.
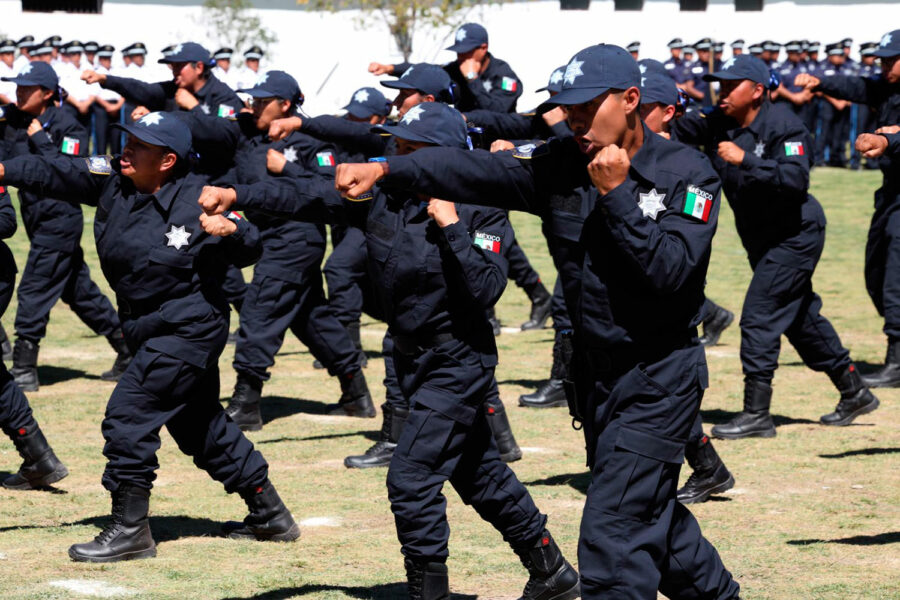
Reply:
x=325, y=159
x=793, y=149
x=509, y=84
x=225, y=111
x=70, y=145
x=698, y=203
x=487, y=241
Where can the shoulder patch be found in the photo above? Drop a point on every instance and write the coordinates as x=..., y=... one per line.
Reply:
x=794, y=149
x=99, y=165
x=70, y=146
x=698, y=203
x=509, y=84
x=325, y=159
x=226, y=111
x=487, y=241
x=526, y=150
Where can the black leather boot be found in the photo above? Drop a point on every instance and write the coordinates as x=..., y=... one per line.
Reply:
x=889, y=374
x=710, y=475
x=127, y=536
x=5, y=345
x=40, y=468
x=856, y=399
x=755, y=421
x=503, y=435
x=552, y=393
x=24, y=369
x=123, y=356
x=243, y=408
x=541, y=302
x=715, y=324
x=551, y=575
x=427, y=580
x=379, y=455
x=355, y=398
x=269, y=519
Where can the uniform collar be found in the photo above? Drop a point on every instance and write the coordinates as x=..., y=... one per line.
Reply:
x=757, y=124
x=48, y=115
x=644, y=160
x=167, y=193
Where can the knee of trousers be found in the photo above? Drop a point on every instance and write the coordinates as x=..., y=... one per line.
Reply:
x=407, y=485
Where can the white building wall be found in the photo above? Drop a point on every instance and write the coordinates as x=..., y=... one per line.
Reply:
x=534, y=37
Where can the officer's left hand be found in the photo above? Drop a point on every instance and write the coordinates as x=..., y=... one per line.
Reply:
x=468, y=66
x=871, y=145
x=888, y=129
x=215, y=200
x=552, y=117
x=609, y=168
x=184, y=99
x=731, y=153
x=443, y=212
x=138, y=112
x=275, y=161
x=217, y=225
x=34, y=127
x=501, y=146
x=354, y=179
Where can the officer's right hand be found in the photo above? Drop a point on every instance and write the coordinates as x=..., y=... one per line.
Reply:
x=91, y=76
x=217, y=225
x=609, y=168
x=184, y=99
x=888, y=129
x=871, y=145
x=352, y=180
x=281, y=128
x=275, y=161
x=216, y=200
x=376, y=68
x=806, y=80
x=138, y=112
x=502, y=146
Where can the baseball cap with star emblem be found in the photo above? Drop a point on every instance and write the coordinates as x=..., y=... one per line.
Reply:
x=188, y=52
x=596, y=70
x=36, y=73
x=366, y=102
x=469, y=37
x=275, y=84
x=889, y=46
x=163, y=129
x=554, y=85
x=742, y=67
x=432, y=123
x=424, y=77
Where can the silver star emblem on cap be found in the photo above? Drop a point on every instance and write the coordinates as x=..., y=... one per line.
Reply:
x=557, y=76
x=407, y=72
x=573, y=71
x=262, y=78
x=885, y=40
x=25, y=70
x=361, y=96
x=651, y=203
x=414, y=114
x=290, y=154
x=460, y=34
x=728, y=64
x=177, y=237
x=643, y=68
x=151, y=119
x=177, y=49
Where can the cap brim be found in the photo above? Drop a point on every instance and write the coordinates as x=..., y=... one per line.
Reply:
x=142, y=133
x=257, y=92
x=20, y=81
x=358, y=110
x=577, y=95
x=401, y=132
x=462, y=47
x=722, y=76
x=398, y=84
x=886, y=53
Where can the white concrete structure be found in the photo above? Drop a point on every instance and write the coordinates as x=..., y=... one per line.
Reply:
x=534, y=37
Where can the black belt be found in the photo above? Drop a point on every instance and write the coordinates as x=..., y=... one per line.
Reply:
x=136, y=308
x=412, y=345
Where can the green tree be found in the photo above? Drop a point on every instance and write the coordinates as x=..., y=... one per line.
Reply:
x=233, y=24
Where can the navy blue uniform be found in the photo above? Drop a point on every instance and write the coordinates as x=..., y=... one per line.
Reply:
x=835, y=131
x=865, y=117
x=782, y=228
x=883, y=246
x=55, y=268
x=286, y=290
x=788, y=71
x=434, y=285
x=678, y=69
x=497, y=88
x=641, y=371
x=167, y=275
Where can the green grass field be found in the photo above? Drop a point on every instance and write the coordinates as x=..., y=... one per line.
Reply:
x=815, y=512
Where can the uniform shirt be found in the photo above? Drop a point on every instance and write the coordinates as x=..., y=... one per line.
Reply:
x=20, y=62
x=678, y=69
x=788, y=71
x=8, y=268
x=698, y=70
x=228, y=77
x=352, y=137
x=167, y=273
x=8, y=88
x=49, y=222
x=769, y=190
x=514, y=126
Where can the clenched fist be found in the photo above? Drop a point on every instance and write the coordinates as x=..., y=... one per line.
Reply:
x=609, y=168
x=871, y=145
x=501, y=145
x=354, y=179
x=138, y=112
x=275, y=161
x=281, y=128
x=184, y=99
x=91, y=76
x=376, y=68
x=731, y=153
x=216, y=200
x=217, y=225
x=806, y=80
x=443, y=212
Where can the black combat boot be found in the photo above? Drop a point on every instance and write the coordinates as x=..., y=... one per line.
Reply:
x=355, y=398
x=503, y=435
x=123, y=356
x=24, y=369
x=551, y=575
x=269, y=519
x=541, y=302
x=710, y=475
x=755, y=421
x=379, y=455
x=40, y=467
x=427, y=580
x=715, y=324
x=856, y=399
x=552, y=393
x=127, y=536
x=889, y=374
x=5, y=345
x=243, y=408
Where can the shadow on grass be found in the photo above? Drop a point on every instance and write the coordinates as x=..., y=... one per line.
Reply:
x=369, y=435
x=526, y=383
x=879, y=539
x=164, y=528
x=862, y=452
x=577, y=481
x=386, y=591
x=47, y=488
x=716, y=416
x=50, y=374
x=278, y=407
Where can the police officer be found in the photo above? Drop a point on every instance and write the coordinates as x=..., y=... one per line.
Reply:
x=641, y=370
x=482, y=80
x=834, y=111
x=438, y=268
x=7, y=69
x=882, y=268
x=24, y=45
x=675, y=66
x=223, y=70
x=247, y=76
x=737, y=47
x=286, y=291
x=55, y=268
x=166, y=273
x=634, y=48
x=696, y=87
x=865, y=117
x=107, y=104
x=794, y=96
x=40, y=467
x=760, y=150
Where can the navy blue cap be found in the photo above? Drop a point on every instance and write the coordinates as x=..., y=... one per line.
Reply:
x=742, y=67
x=187, y=52
x=676, y=43
x=703, y=44
x=161, y=129
x=889, y=46
x=554, y=85
x=649, y=65
x=594, y=70
x=738, y=44
x=835, y=49
x=73, y=47
x=868, y=48
x=425, y=77
x=432, y=123
x=793, y=46
x=368, y=101
x=106, y=51
x=275, y=84
x=469, y=37
x=657, y=86
x=36, y=73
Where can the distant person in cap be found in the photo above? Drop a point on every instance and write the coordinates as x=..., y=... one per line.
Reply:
x=696, y=87
x=24, y=45
x=223, y=70
x=90, y=52
x=797, y=98
x=634, y=48
x=831, y=145
x=43, y=52
x=737, y=47
x=107, y=105
x=248, y=74
x=7, y=69
x=675, y=66
x=866, y=119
